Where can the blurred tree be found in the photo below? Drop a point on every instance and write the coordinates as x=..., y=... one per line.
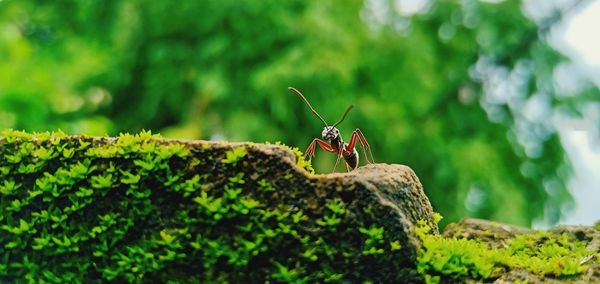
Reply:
x=461, y=91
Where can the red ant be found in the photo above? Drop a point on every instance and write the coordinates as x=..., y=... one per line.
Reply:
x=336, y=144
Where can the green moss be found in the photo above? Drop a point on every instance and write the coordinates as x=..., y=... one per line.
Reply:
x=541, y=253
x=135, y=208
x=234, y=155
x=300, y=161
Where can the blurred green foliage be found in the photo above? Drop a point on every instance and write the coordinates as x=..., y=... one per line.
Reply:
x=441, y=90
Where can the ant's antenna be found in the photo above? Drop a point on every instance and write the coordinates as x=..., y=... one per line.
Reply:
x=344, y=116
x=308, y=104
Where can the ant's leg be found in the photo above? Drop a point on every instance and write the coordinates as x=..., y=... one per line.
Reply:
x=357, y=135
x=365, y=144
x=310, y=151
x=346, y=165
x=337, y=162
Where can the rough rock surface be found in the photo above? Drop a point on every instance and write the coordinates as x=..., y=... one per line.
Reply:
x=492, y=233
x=497, y=235
x=142, y=208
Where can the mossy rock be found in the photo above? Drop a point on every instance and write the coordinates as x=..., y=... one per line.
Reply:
x=139, y=208
x=481, y=251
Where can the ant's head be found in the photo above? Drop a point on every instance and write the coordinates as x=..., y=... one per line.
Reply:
x=330, y=132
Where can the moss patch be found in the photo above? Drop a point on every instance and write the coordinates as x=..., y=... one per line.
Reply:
x=138, y=208
x=540, y=254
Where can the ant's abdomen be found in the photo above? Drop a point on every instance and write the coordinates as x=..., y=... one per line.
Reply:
x=352, y=159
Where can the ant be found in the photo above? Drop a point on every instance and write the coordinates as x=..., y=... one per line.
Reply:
x=336, y=144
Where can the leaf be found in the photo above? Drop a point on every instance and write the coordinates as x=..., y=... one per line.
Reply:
x=166, y=237
x=249, y=202
x=395, y=245
x=234, y=155
x=129, y=178
x=68, y=153
x=102, y=181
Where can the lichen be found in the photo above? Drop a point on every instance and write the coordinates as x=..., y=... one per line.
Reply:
x=541, y=253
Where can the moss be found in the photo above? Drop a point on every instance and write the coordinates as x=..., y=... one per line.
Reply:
x=136, y=208
x=234, y=155
x=541, y=253
x=300, y=161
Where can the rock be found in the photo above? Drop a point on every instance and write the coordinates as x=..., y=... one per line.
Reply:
x=495, y=234
x=142, y=208
x=570, y=252
x=398, y=187
x=589, y=235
